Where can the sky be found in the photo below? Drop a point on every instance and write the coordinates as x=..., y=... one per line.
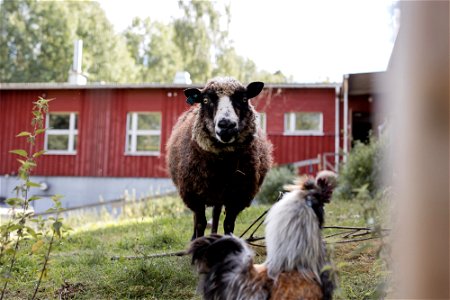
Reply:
x=310, y=40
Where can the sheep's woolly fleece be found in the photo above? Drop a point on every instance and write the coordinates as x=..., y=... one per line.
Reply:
x=223, y=86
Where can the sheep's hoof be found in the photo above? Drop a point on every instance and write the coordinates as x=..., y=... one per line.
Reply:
x=209, y=224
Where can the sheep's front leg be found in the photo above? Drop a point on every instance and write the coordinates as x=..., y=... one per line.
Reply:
x=217, y=209
x=230, y=219
x=199, y=223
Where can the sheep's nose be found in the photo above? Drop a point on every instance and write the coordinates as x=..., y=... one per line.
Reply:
x=226, y=124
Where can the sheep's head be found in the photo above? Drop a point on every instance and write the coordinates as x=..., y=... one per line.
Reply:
x=224, y=106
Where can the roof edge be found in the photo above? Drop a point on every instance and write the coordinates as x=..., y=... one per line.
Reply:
x=56, y=86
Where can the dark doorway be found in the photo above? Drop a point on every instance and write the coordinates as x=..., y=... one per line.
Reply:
x=361, y=127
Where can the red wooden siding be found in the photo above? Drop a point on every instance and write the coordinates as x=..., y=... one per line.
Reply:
x=15, y=116
x=291, y=148
x=102, y=127
x=277, y=102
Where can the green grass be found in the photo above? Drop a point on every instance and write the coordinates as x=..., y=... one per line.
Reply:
x=81, y=265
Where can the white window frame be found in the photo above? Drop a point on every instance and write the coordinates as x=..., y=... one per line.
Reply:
x=134, y=132
x=261, y=119
x=290, y=120
x=71, y=132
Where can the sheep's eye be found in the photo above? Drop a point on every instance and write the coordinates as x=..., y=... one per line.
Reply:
x=205, y=100
x=244, y=99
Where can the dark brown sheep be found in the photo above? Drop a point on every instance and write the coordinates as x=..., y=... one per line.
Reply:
x=217, y=155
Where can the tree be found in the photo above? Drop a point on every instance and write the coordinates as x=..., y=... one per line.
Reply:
x=105, y=54
x=277, y=77
x=229, y=63
x=153, y=50
x=198, y=35
x=36, y=42
x=27, y=51
x=207, y=49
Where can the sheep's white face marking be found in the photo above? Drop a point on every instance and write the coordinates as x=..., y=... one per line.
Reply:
x=226, y=121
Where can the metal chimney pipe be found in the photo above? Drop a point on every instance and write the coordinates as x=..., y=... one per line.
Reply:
x=77, y=56
x=75, y=74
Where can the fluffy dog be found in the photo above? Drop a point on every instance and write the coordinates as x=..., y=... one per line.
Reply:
x=296, y=253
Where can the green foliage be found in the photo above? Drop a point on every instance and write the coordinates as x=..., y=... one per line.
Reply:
x=19, y=237
x=197, y=32
x=360, y=181
x=105, y=54
x=152, y=47
x=229, y=62
x=273, y=184
x=27, y=51
x=36, y=42
x=361, y=174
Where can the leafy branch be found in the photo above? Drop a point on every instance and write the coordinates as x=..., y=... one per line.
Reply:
x=17, y=228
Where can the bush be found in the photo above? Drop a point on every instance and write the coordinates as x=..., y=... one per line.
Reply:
x=273, y=184
x=362, y=170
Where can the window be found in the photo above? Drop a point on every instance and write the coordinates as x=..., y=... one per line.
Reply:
x=143, y=133
x=303, y=123
x=62, y=133
x=261, y=120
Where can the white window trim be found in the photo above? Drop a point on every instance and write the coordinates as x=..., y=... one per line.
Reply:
x=71, y=132
x=289, y=123
x=134, y=132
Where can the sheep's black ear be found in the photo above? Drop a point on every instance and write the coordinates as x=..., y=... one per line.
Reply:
x=193, y=95
x=254, y=88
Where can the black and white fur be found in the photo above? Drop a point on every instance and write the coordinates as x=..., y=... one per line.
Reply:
x=294, y=244
x=225, y=266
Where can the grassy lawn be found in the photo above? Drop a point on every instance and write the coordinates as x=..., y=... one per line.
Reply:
x=81, y=265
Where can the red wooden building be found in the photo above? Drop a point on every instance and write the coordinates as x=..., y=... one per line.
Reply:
x=107, y=138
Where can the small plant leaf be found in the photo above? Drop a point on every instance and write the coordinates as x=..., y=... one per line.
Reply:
x=39, y=131
x=57, y=197
x=31, y=232
x=24, y=133
x=57, y=228
x=15, y=227
x=33, y=184
x=36, y=246
x=34, y=198
x=37, y=154
x=37, y=113
x=29, y=214
x=44, y=273
x=20, y=152
x=14, y=201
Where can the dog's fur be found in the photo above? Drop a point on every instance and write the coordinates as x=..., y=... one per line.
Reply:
x=296, y=253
